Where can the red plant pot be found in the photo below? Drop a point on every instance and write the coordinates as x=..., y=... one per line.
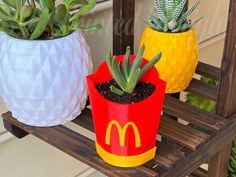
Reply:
x=126, y=133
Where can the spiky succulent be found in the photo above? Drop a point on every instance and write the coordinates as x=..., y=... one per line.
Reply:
x=171, y=16
x=43, y=19
x=127, y=74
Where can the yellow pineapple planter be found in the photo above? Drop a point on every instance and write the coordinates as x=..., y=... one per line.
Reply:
x=179, y=56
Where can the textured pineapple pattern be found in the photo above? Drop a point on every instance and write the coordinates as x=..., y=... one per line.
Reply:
x=43, y=82
x=179, y=56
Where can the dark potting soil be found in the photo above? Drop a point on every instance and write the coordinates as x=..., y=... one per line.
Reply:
x=141, y=92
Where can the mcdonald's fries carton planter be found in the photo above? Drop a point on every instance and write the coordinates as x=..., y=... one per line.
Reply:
x=174, y=36
x=126, y=133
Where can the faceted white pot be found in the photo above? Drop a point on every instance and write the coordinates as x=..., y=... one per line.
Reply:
x=43, y=82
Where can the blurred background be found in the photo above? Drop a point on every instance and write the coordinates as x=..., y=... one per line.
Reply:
x=30, y=157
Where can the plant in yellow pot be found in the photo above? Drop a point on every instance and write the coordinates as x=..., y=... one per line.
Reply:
x=172, y=33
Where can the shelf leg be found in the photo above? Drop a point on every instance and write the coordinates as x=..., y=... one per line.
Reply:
x=219, y=164
x=14, y=130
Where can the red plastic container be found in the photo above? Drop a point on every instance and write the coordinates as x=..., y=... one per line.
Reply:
x=126, y=133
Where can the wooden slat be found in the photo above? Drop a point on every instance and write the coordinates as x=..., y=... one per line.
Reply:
x=194, y=115
x=78, y=147
x=226, y=104
x=200, y=172
x=208, y=71
x=203, y=89
x=168, y=153
x=207, y=150
x=85, y=120
x=16, y=131
x=182, y=134
x=167, y=156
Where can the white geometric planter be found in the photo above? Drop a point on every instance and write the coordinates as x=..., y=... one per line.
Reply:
x=43, y=82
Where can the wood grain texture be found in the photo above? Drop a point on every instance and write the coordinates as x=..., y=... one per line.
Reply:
x=226, y=104
x=123, y=25
x=207, y=150
x=184, y=135
x=175, y=161
x=79, y=147
x=208, y=71
x=194, y=115
x=14, y=130
x=200, y=172
x=219, y=164
x=203, y=89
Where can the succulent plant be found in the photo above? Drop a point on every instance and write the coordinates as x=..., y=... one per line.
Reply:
x=171, y=16
x=43, y=19
x=127, y=74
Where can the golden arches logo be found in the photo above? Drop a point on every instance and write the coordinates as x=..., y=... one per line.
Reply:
x=122, y=133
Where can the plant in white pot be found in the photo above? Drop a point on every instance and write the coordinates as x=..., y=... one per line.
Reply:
x=44, y=59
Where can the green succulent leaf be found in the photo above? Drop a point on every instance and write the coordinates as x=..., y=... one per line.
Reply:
x=117, y=75
x=11, y=3
x=127, y=74
x=90, y=27
x=8, y=30
x=116, y=90
x=31, y=21
x=8, y=10
x=49, y=4
x=138, y=60
x=161, y=13
x=19, y=4
x=133, y=80
x=154, y=19
x=187, y=13
x=86, y=8
x=178, y=10
x=170, y=5
x=127, y=63
x=5, y=17
x=41, y=24
x=77, y=2
x=151, y=63
x=171, y=17
x=25, y=12
x=61, y=14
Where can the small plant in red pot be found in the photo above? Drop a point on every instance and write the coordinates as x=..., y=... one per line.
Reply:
x=126, y=96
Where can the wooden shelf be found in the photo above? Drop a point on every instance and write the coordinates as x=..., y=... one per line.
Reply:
x=185, y=148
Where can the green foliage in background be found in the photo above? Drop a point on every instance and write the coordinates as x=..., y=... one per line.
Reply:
x=43, y=19
x=210, y=106
x=127, y=74
x=171, y=16
x=200, y=101
x=232, y=162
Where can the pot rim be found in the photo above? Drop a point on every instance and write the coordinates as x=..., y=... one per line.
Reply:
x=173, y=34
x=41, y=41
x=157, y=82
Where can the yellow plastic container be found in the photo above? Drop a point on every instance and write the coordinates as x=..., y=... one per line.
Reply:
x=179, y=56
